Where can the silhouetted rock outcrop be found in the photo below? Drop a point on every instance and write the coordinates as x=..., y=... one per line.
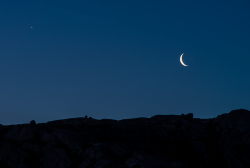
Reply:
x=163, y=141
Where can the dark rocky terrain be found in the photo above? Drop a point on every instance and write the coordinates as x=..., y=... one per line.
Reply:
x=164, y=141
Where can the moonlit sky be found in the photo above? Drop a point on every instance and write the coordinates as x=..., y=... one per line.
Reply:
x=120, y=59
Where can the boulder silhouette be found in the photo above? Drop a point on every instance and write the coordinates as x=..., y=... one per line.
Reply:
x=162, y=141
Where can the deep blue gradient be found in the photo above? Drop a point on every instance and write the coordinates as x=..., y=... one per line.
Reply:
x=120, y=59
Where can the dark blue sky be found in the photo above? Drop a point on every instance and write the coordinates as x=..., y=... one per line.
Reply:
x=120, y=59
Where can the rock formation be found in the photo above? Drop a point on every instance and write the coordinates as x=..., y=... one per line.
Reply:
x=163, y=141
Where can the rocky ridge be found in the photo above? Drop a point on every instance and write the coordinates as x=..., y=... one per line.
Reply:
x=163, y=141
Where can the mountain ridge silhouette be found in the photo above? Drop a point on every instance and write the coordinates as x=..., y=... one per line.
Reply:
x=161, y=141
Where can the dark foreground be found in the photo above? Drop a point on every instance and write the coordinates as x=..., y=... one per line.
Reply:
x=174, y=141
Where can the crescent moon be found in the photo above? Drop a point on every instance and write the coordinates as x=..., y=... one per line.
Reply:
x=181, y=60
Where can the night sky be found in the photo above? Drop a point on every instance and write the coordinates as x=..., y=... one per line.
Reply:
x=120, y=59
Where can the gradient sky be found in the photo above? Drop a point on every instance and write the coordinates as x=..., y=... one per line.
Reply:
x=120, y=59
